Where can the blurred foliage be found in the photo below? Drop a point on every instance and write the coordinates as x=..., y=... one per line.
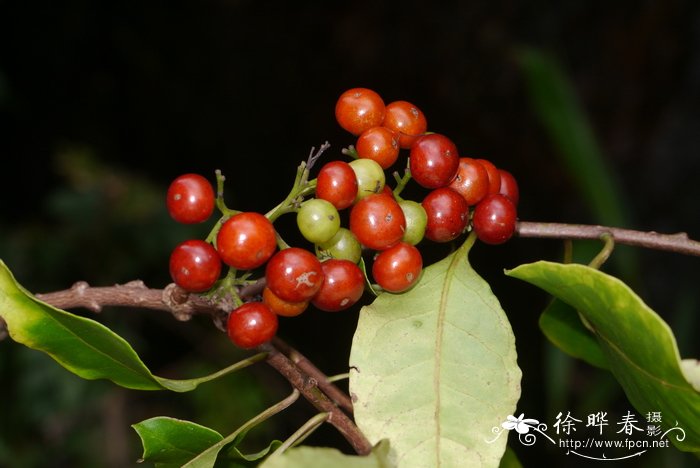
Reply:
x=102, y=104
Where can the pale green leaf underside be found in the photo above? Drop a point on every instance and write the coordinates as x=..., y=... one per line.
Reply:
x=638, y=345
x=83, y=346
x=434, y=369
x=307, y=457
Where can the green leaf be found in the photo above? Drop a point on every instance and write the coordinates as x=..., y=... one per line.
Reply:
x=81, y=345
x=562, y=326
x=170, y=442
x=307, y=457
x=510, y=460
x=638, y=345
x=434, y=369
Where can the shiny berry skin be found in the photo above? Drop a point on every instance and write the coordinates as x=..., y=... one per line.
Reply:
x=433, y=160
x=448, y=214
x=251, y=325
x=190, y=199
x=343, y=246
x=337, y=183
x=406, y=120
x=471, y=181
x=294, y=274
x=377, y=221
x=246, y=240
x=378, y=144
x=509, y=187
x=318, y=220
x=494, y=219
x=194, y=265
x=370, y=177
x=398, y=268
x=282, y=307
x=416, y=221
x=359, y=109
x=343, y=286
x=494, y=176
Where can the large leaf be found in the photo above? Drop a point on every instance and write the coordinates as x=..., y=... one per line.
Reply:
x=170, y=443
x=434, y=369
x=83, y=346
x=638, y=345
x=306, y=457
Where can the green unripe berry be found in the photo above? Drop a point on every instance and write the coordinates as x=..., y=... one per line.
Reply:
x=318, y=220
x=416, y=221
x=343, y=246
x=370, y=177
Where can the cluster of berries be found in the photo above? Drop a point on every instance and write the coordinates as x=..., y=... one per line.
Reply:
x=333, y=277
x=457, y=184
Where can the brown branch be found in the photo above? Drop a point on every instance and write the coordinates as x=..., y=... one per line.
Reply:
x=304, y=376
x=679, y=243
x=308, y=386
x=308, y=367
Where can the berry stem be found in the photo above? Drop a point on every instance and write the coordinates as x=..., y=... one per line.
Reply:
x=401, y=182
x=302, y=433
x=350, y=151
x=608, y=247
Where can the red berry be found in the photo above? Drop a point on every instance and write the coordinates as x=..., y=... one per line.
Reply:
x=509, y=186
x=377, y=221
x=494, y=219
x=337, y=184
x=494, y=176
x=282, y=307
x=398, y=268
x=448, y=214
x=294, y=274
x=359, y=109
x=433, y=160
x=406, y=120
x=195, y=266
x=246, y=241
x=343, y=286
x=471, y=181
x=190, y=199
x=379, y=144
x=251, y=325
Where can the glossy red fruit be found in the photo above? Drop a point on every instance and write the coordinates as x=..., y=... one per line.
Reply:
x=343, y=286
x=246, y=241
x=433, y=160
x=194, y=265
x=379, y=144
x=337, y=183
x=190, y=199
x=509, y=187
x=377, y=221
x=359, y=109
x=251, y=325
x=406, y=120
x=448, y=214
x=282, y=307
x=471, y=181
x=494, y=176
x=398, y=268
x=494, y=219
x=294, y=274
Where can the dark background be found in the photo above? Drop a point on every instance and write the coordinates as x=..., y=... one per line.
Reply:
x=102, y=104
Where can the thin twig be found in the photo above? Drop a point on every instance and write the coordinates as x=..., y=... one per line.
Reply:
x=308, y=367
x=310, y=390
x=679, y=243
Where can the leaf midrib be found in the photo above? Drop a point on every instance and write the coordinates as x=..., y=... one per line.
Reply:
x=438, y=351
